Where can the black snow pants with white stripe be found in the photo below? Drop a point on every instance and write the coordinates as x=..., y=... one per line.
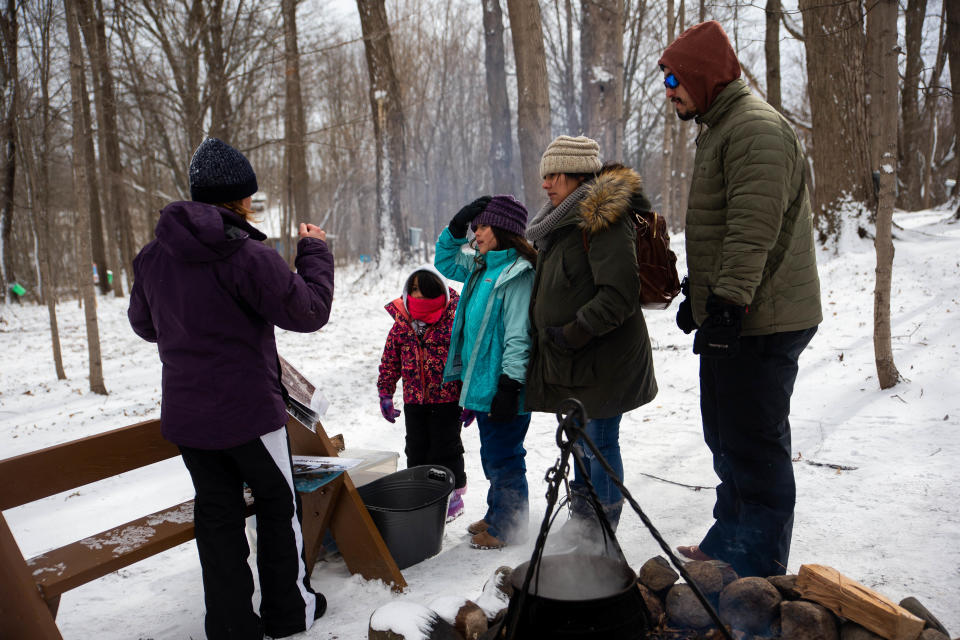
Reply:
x=287, y=601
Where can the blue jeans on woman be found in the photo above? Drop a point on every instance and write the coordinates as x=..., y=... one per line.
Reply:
x=502, y=457
x=605, y=434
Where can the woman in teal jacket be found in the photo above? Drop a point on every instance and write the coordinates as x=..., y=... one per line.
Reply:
x=489, y=350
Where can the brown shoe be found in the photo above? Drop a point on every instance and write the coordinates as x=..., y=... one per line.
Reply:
x=477, y=527
x=484, y=540
x=693, y=553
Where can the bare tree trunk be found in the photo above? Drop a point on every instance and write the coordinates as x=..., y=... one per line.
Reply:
x=388, y=127
x=8, y=140
x=38, y=172
x=81, y=132
x=98, y=247
x=601, y=74
x=84, y=13
x=669, y=127
x=912, y=162
x=885, y=15
x=501, y=144
x=114, y=210
x=295, y=127
x=115, y=177
x=931, y=115
x=953, y=51
x=834, y=31
x=533, y=99
x=634, y=15
x=771, y=50
x=574, y=119
x=213, y=53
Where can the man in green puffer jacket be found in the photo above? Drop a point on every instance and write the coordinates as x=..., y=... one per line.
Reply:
x=753, y=295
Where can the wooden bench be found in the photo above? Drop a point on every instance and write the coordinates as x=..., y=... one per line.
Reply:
x=30, y=589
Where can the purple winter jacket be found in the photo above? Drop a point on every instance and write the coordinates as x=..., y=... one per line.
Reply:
x=209, y=293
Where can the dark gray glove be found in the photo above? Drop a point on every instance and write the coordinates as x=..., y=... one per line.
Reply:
x=685, y=311
x=719, y=336
x=463, y=218
x=505, y=403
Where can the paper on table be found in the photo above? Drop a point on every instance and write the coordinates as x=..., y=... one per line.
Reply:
x=319, y=464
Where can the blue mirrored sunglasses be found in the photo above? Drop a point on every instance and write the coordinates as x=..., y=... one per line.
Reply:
x=670, y=81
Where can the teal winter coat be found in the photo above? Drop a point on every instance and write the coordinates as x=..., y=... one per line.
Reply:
x=494, y=308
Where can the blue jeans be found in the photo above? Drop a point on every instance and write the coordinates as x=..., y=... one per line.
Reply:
x=605, y=433
x=502, y=457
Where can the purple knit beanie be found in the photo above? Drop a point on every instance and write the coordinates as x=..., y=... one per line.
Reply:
x=505, y=212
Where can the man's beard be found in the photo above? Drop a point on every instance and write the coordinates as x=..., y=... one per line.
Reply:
x=686, y=115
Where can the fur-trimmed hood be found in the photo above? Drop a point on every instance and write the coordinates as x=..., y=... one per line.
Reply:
x=612, y=194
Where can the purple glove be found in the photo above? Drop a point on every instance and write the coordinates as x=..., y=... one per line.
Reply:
x=386, y=408
x=467, y=417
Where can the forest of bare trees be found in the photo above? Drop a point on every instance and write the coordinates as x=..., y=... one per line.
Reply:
x=370, y=117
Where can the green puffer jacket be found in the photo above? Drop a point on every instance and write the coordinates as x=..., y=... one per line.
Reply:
x=613, y=372
x=749, y=227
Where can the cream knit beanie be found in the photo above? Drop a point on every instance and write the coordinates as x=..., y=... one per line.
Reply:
x=567, y=154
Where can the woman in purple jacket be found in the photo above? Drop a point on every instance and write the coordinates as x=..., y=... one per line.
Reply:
x=209, y=293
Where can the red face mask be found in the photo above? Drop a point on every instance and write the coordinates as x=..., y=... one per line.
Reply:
x=428, y=310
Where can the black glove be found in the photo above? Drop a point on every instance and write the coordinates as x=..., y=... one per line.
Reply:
x=685, y=311
x=458, y=226
x=570, y=336
x=719, y=336
x=503, y=408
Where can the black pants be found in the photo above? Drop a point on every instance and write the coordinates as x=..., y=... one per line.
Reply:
x=745, y=404
x=433, y=437
x=287, y=601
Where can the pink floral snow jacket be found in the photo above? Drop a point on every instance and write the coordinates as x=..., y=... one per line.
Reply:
x=419, y=361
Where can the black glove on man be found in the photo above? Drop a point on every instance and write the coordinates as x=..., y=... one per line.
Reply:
x=685, y=311
x=458, y=226
x=719, y=336
x=503, y=408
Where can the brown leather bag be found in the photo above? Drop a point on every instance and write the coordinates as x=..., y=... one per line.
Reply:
x=656, y=263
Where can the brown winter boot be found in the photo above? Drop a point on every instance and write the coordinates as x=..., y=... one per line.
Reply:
x=477, y=527
x=484, y=540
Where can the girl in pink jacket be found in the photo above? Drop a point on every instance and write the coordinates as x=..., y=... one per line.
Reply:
x=416, y=351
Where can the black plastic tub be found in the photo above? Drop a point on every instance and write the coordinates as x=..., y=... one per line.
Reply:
x=409, y=508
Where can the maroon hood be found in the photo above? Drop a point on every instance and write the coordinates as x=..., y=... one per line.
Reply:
x=703, y=62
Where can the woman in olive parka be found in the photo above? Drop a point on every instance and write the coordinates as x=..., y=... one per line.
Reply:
x=589, y=338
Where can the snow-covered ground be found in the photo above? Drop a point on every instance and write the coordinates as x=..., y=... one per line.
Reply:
x=892, y=523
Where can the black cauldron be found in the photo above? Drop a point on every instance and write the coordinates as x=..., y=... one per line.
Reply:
x=577, y=596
